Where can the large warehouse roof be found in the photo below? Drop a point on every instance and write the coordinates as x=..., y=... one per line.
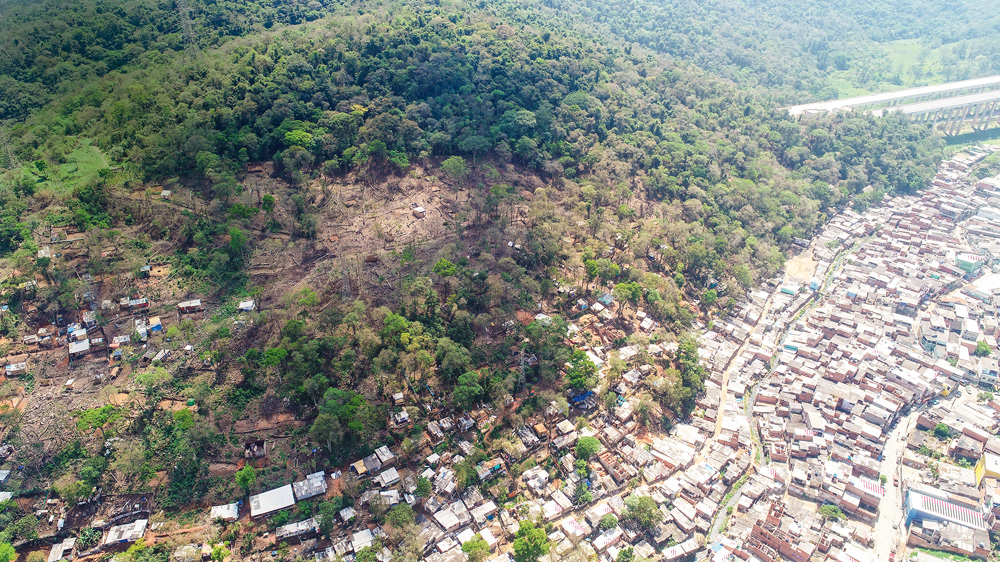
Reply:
x=945, y=511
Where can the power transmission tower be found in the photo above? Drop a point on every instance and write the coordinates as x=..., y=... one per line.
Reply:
x=187, y=28
x=7, y=152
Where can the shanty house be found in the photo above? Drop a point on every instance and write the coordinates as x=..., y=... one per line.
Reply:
x=226, y=512
x=79, y=348
x=16, y=368
x=190, y=306
x=129, y=532
x=313, y=485
x=388, y=477
x=300, y=530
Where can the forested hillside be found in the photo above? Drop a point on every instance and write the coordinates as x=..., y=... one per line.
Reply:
x=798, y=51
x=369, y=94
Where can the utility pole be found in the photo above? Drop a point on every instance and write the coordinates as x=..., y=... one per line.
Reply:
x=520, y=377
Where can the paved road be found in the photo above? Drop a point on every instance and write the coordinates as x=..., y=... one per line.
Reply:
x=891, y=507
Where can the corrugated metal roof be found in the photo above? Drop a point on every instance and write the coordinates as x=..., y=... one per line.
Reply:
x=947, y=511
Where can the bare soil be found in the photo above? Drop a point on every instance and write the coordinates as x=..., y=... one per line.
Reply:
x=801, y=268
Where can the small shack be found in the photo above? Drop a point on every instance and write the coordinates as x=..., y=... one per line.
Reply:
x=79, y=348
x=226, y=512
x=255, y=449
x=129, y=532
x=300, y=530
x=188, y=307
x=16, y=369
x=314, y=485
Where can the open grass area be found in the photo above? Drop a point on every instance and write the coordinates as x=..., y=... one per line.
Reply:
x=917, y=65
x=909, y=56
x=845, y=89
x=945, y=555
x=82, y=165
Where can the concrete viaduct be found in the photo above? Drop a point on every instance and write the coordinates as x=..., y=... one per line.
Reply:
x=952, y=106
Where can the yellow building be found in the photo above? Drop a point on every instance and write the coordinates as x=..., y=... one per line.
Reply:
x=989, y=465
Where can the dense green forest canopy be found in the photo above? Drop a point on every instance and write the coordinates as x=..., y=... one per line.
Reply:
x=368, y=94
x=798, y=50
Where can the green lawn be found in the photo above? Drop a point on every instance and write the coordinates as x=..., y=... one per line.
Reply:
x=944, y=555
x=906, y=55
x=82, y=165
x=845, y=89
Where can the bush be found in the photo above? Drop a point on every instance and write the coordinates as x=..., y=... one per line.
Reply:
x=89, y=537
x=246, y=478
x=423, y=487
x=941, y=431
x=642, y=512
x=587, y=447
x=831, y=512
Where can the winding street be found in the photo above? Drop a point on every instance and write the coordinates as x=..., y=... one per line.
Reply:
x=890, y=510
x=733, y=363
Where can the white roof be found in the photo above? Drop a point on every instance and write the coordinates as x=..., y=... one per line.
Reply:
x=272, y=500
x=466, y=535
x=60, y=549
x=227, y=511
x=565, y=426
x=362, y=539
x=446, y=518
x=128, y=532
